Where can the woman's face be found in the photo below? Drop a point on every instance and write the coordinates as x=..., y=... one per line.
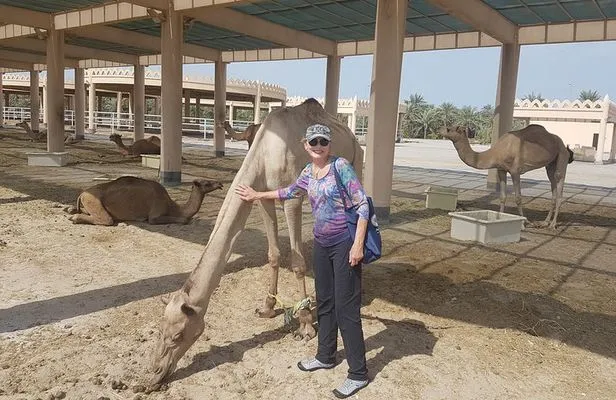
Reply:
x=318, y=149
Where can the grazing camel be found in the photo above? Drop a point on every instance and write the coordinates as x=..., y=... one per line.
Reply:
x=275, y=160
x=150, y=145
x=134, y=199
x=518, y=152
x=248, y=135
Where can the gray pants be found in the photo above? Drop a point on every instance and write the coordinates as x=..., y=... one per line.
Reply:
x=338, y=289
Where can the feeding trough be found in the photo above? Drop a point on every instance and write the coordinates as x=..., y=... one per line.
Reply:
x=48, y=159
x=486, y=226
x=150, y=160
x=441, y=198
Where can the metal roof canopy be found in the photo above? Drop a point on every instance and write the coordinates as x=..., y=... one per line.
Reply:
x=236, y=30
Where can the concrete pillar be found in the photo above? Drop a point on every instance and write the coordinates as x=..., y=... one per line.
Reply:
x=257, y=104
x=505, y=99
x=131, y=98
x=602, y=130
x=54, y=105
x=353, y=121
x=139, y=100
x=91, y=105
x=34, y=101
x=198, y=106
x=119, y=103
x=80, y=103
x=1, y=101
x=332, y=84
x=384, y=95
x=187, y=103
x=45, y=99
x=220, y=107
x=231, y=113
x=171, y=93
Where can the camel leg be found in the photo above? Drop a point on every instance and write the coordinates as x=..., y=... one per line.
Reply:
x=556, y=175
x=268, y=213
x=95, y=213
x=502, y=184
x=517, y=189
x=293, y=213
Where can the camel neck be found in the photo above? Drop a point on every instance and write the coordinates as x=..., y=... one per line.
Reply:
x=193, y=204
x=479, y=160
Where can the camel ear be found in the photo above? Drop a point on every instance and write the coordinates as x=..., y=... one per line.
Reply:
x=189, y=310
x=165, y=299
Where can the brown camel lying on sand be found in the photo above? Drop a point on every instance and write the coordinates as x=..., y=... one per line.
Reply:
x=518, y=152
x=134, y=199
x=150, y=145
x=248, y=135
x=41, y=136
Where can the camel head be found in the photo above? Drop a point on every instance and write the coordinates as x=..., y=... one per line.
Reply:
x=181, y=326
x=456, y=133
x=206, y=186
x=115, y=138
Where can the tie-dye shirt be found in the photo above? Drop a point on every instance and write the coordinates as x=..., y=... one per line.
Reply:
x=330, y=225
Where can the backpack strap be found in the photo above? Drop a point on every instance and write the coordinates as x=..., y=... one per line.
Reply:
x=341, y=187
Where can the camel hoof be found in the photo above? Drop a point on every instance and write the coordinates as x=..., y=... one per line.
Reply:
x=265, y=314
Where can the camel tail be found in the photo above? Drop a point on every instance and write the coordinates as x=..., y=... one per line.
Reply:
x=570, y=155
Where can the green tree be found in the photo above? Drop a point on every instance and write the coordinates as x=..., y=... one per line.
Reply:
x=468, y=117
x=414, y=105
x=426, y=118
x=532, y=97
x=591, y=95
x=447, y=112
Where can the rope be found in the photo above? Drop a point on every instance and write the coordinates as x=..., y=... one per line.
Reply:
x=291, y=310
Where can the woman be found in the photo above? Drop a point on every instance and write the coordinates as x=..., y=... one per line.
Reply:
x=337, y=258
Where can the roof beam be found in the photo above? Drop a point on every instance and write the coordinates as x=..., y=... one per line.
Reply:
x=103, y=14
x=480, y=16
x=259, y=28
x=142, y=41
x=13, y=30
x=23, y=16
x=30, y=58
x=16, y=65
x=73, y=51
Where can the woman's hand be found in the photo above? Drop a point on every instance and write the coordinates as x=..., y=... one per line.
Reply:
x=356, y=254
x=246, y=193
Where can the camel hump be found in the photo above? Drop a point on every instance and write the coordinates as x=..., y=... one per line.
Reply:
x=312, y=101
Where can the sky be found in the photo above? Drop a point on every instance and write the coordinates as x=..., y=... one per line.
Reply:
x=462, y=76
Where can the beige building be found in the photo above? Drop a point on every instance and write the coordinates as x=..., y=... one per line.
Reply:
x=587, y=127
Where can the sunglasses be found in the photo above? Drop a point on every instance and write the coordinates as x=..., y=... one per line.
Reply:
x=322, y=141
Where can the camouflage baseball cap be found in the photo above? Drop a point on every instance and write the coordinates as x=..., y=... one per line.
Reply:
x=317, y=131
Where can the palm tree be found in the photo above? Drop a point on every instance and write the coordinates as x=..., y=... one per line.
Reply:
x=468, y=117
x=427, y=117
x=448, y=113
x=591, y=95
x=532, y=97
x=413, y=106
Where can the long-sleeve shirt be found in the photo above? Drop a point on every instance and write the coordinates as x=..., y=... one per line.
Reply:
x=330, y=225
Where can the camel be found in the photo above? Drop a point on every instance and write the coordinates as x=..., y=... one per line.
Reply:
x=275, y=159
x=40, y=136
x=134, y=199
x=150, y=145
x=248, y=134
x=518, y=152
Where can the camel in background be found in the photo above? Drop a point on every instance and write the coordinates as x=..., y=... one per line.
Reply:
x=41, y=136
x=275, y=160
x=248, y=135
x=518, y=152
x=150, y=145
x=134, y=199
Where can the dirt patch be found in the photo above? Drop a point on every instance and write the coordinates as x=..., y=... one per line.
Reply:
x=443, y=319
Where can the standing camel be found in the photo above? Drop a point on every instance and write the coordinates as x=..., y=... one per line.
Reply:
x=248, y=135
x=275, y=160
x=518, y=152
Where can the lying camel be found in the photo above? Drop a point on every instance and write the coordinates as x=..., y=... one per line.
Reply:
x=41, y=136
x=248, y=135
x=518, y=152
x=150, y=145
x=134, y=199
x=275, y=160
